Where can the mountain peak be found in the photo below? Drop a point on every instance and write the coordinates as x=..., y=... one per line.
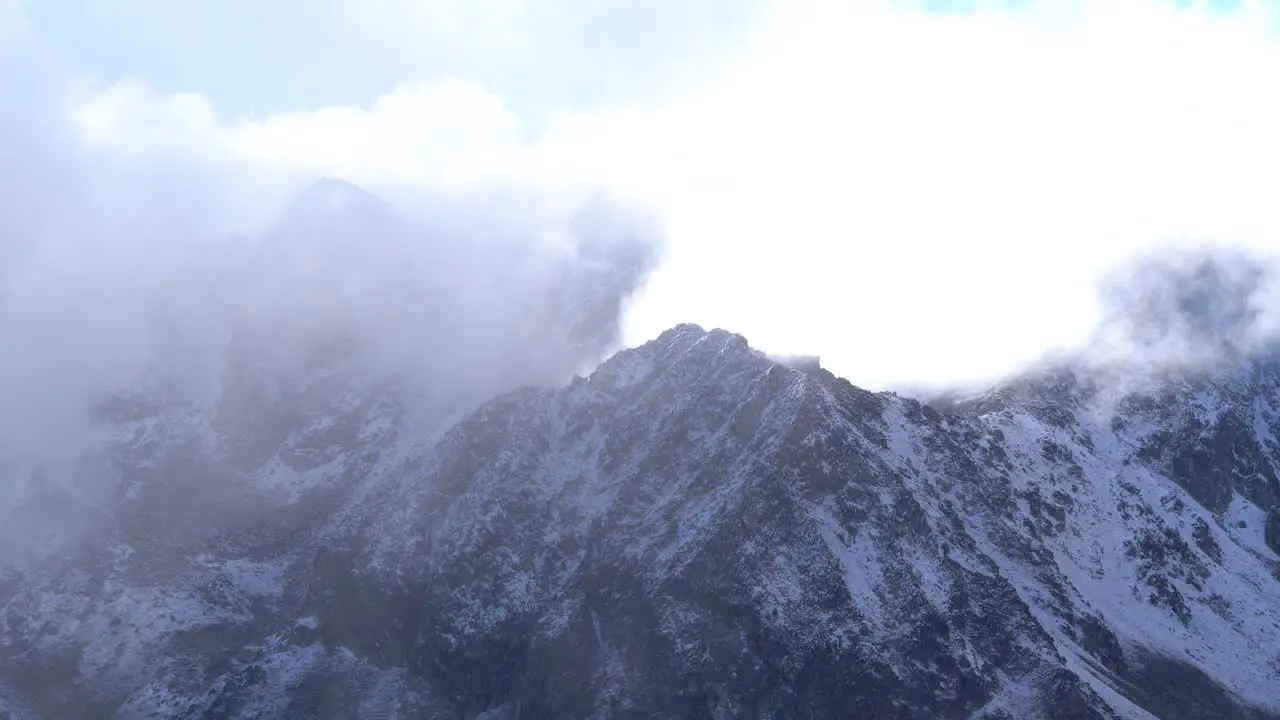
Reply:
x=331, y=200
x=686, y=335
x=693, y=531
x=683, y=333
x=682, y=349
x=689, y=341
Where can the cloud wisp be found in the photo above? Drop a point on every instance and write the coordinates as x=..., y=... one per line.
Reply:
x=917, y=196
x=145, y=249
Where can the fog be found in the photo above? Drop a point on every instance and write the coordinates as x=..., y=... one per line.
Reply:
x=923, y=194
x=162, y=275
x=1188, y=307
x=205, y=206
x=500, y=293
x=814, y=165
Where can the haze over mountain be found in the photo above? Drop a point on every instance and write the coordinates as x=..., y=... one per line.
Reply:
x=342, y=278
x=314, y=501
x=349, y=366
x=1001, y=156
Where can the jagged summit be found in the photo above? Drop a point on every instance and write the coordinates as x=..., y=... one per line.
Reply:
x=697, y=530
x=330, y=208
x=679, y=331
x=331, y=197
x=687, y=335
x=684, y=351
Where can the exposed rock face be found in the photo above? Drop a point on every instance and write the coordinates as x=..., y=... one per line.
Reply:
x=321, y=501
x=695, y=530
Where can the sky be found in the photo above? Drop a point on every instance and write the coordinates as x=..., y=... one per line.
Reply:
x=918, y=192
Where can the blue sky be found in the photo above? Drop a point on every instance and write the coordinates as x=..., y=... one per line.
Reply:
x=256, y=58
x=916, y=192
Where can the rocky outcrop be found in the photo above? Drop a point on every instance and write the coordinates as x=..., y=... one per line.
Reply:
x=694, y=530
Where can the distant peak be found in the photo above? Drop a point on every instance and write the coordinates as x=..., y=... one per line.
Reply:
x=686, y=335
x=691, y=340
x=683, y=331
x=329, y=198
x=680, y=348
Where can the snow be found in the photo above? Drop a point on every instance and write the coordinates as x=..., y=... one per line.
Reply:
x=241, y=581
x=1078, y=662
x=860, y=565
x=14, y=709
x=1092, y=557
x=278, y=478
x=686, y=470
x=1245, y=523
x=1017, y=698
x=123, y=634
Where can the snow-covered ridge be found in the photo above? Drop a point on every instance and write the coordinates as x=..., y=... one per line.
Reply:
x=694, y=529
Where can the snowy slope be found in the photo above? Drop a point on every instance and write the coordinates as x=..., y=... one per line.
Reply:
x=730, y=492
x=693, y=530
x=301, y=509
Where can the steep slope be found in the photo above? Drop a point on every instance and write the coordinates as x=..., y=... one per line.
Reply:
x=697, y=529
x=159, y=539
x=694, y=530
x=303, y=508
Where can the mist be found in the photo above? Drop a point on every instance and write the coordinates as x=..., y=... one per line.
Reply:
x=920, y=195
x=151, y=280
x=257, y=259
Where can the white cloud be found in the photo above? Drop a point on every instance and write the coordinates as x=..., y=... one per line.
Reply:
x=915, y=197
x=115, y=265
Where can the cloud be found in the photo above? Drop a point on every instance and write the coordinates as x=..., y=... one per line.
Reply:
x=917, y=196
x=1181, y=305
x=149, y=239
x=491, y=284
x=933, y=197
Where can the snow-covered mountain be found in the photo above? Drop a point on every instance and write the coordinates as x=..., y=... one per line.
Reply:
x=692, y=530
x=695, y=529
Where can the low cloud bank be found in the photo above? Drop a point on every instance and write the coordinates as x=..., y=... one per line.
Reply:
x=1185, y=305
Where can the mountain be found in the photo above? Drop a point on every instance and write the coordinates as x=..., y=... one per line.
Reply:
x=694, y=530
x=357, y=477
x=329, y=200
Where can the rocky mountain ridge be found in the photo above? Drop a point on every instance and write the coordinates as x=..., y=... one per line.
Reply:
x=694, y=530
x=320, y=497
